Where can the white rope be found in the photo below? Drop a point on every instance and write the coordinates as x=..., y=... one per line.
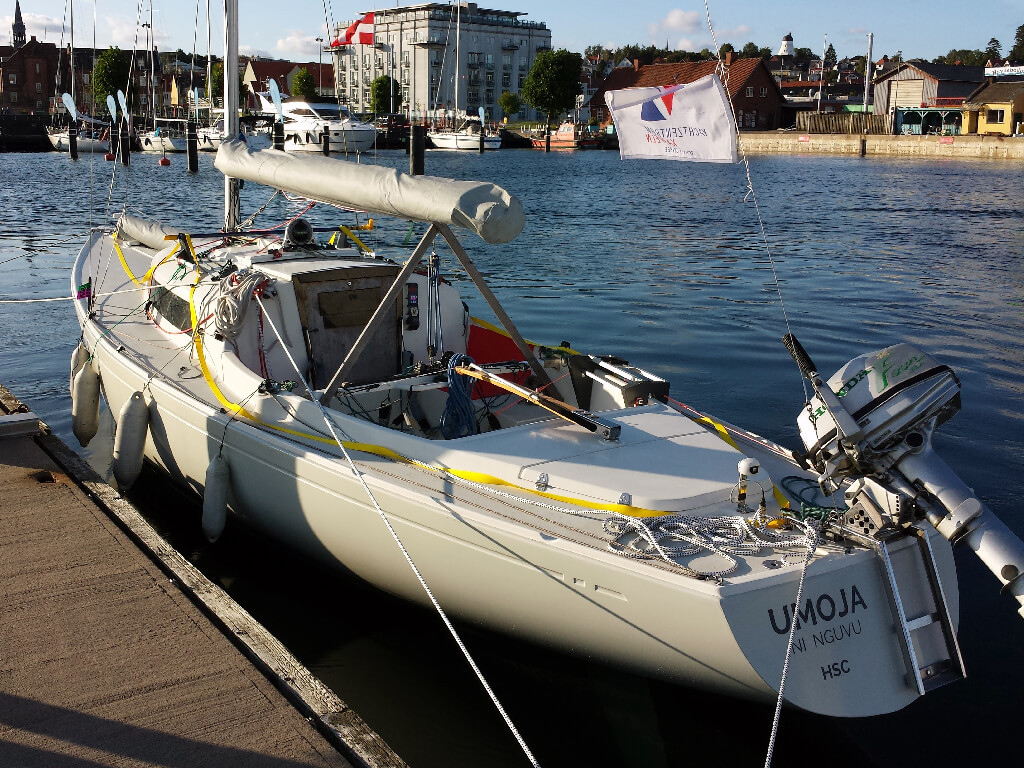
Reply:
x=812, y=545
x=408, y=558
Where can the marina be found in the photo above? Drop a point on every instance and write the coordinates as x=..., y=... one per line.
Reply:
x=656, y=340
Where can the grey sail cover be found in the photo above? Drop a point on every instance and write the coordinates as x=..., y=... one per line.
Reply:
x=486, y=209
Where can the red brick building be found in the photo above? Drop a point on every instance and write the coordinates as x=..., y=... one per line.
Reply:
x=28, y=76
x=753, y=91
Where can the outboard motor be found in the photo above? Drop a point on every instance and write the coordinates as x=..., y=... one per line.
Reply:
x=868, y=431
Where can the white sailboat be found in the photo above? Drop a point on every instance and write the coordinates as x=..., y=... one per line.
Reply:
x=470, y=130
x=332, y=397
x=167, y=134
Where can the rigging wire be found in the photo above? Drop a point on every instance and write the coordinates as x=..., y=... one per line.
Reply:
x=751, y=194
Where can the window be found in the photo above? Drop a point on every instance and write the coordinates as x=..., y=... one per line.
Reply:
x=490, y=97
x=764, y=93
x=14, y=96
x=39, y=104
x=13, y=79
x=506, y=61
x=490, y=79
x=85, y=79
x=994, y=116
x=405, y=58
x=39, y=87
x=506, y=80
x=522, y=78
x=405, y=95
x=750, y=92
x=37, y=67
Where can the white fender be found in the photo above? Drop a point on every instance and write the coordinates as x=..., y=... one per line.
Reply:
x=215, y=498
x=78, y=358
x=85, y=403
x=130, y=440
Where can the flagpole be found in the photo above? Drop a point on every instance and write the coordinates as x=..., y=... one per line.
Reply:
x=821, y=82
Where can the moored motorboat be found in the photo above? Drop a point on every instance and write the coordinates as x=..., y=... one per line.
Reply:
x=570, y=135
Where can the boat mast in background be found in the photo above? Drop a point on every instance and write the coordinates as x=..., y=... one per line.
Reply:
x=231, y=204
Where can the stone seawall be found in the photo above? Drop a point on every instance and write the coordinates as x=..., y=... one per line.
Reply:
x=793, y=142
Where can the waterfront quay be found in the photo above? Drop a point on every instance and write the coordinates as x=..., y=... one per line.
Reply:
x=962, y=147
x=114, y=650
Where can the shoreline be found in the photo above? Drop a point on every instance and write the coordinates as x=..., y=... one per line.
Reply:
x=797, y=142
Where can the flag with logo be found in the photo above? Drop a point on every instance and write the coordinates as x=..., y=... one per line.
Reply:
x=693, y=122
x=360, y=33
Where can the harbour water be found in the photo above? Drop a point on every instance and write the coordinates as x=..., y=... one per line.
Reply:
x=663, y=264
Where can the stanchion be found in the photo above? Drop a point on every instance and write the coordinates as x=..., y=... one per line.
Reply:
x=192, y=146
x=417, y=142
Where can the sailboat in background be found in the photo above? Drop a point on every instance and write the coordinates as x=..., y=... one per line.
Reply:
x=471, y=130
x=90, y=133
x=166, y=135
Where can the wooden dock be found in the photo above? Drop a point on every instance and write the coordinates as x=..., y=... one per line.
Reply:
x=114, y=650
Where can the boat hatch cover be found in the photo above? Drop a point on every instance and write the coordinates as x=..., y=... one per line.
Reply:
x=662, y=460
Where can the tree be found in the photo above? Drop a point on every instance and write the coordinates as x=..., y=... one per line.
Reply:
x=553, y=82
x=510, y=103
x=992, y=51
x=726, y=48
x=966, y=58
x=385, y=95
x=830, y=57
x=112, y=73
x=803, y=54
x=304, y=86
x=750, y=51
x=1017, y=52
x=217, y=86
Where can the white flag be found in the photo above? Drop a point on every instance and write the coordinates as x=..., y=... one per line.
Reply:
x=693, y=121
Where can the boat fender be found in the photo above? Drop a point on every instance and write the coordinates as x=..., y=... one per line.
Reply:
x=85, y=403
x=215, y=498
x=130, y=440
x=78, y=358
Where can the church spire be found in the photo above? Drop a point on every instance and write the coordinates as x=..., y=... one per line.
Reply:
x=18, y=27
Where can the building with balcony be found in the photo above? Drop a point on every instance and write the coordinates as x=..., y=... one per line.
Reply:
x=417, y=45
x=923, y=98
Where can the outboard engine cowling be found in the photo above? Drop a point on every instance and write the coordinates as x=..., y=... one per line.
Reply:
x=889, y=394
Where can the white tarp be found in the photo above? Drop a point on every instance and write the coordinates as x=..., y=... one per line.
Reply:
x=487, y=209
x=693, y=121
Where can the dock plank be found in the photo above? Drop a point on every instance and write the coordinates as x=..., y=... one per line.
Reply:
x=104, y=660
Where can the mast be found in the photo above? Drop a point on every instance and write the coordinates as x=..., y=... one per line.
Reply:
x=71, y=55
x=231, y=204
x=209, y=73
x=458, y=37
x=152, y=65
x=867, y=73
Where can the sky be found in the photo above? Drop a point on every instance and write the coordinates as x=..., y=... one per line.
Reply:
x=917, y=28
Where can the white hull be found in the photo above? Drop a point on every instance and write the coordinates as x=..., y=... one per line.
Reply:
x=209, y=140
x=342, y=139
x=462, y=140
x=520, y=568
x=162, y=144
x=60, y=143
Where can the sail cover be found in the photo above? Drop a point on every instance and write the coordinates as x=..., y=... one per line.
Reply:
x=486, y=209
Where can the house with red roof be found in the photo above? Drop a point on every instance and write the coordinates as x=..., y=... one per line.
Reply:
x=754, y=94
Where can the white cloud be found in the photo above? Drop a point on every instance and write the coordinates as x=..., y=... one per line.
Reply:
x=252, y=50
x=297, y=43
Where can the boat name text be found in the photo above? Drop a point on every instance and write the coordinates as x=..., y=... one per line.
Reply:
x=823, y=608
x=835, y=669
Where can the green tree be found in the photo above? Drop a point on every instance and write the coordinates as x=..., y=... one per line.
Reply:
x=1017, y=52
x=803, y=53
x=217, y=86
x=992, y=50
x=725, y=48
x=385, y=95
x=553, y=82
x=966, y=58
x=750, y=51
x=830, y=57
x=304, y=86
x=510, y=103
x=111, y=74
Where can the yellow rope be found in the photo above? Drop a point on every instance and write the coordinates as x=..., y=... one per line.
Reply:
x=149, y=275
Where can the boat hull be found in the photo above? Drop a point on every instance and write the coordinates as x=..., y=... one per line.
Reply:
x=456, y=140
x=344, y=140
x=59, y=141
x=573, y=595
x=162, y=144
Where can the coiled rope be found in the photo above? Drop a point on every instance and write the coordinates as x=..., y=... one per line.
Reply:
x=232, y=304
x=458, y=418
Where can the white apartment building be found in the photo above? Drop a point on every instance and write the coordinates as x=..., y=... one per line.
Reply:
x=417, y=44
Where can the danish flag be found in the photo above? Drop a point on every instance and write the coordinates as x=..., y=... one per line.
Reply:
x=360, y=33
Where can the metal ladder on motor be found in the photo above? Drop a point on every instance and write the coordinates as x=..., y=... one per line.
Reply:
x=942, y=670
